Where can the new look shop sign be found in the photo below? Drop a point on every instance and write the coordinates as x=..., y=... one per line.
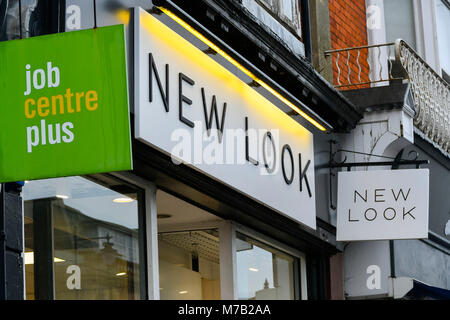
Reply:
x=189, y=106
x=383, y=205
x=64, y=105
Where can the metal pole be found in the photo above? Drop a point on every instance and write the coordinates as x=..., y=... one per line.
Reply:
x=379, y=164
x=95, y=14
x=44, y=283
x=20, y=19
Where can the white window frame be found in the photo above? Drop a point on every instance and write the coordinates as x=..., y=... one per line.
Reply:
x=227, y=244
x=275, y=7
x=147, y=187
x=425, y=28
x=151, y=230
x=274, y=244
x=426, y=32
x=295, y=21
x=441, y=69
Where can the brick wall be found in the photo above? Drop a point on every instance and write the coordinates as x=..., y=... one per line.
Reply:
x=348, y=29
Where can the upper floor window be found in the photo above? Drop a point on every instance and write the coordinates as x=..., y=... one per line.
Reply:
x=443, y=27
x=288, y=12
x=27, y=18
x=400, y=21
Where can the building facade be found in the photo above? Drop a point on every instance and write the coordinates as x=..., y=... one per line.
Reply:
x=396, y=74
x=258, y=225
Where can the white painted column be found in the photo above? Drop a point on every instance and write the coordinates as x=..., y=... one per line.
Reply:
x=376, y=34
x=228, y=263
x=151, y=221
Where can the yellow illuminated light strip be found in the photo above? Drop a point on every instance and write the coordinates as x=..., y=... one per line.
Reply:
x=240, y=67
x=29, y=258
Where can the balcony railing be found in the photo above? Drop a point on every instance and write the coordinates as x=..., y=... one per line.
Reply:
x=362, y=66
x=366, y=66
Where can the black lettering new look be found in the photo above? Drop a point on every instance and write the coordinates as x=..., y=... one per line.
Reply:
x=368, y=210
x=214, y=113
x=270, y=170
x=392, y=212
x=247, y=146
x=405, y=213
x=211, y=101
x=182, y=98
x=357, y=193
x=349, y=217
x=164, y=95
x=377, y=195
x=396, y=197
x=283, y=151
x=389, y=214
x=303, y=174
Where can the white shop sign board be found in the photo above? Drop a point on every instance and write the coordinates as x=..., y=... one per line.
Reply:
x=159, y=124
x=382, y=205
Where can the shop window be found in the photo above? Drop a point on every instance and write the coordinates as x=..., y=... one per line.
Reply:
x=189, y=264
x=264, y=273
x=83, y=239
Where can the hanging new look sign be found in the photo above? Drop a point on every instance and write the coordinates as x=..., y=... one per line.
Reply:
x=64, y=105
x=191, y=107
x=382, y=205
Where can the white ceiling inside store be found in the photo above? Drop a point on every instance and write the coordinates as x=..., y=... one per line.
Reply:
x=184, y=216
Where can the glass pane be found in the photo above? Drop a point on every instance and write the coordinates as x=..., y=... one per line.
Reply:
x=443, y=29
x=399, y=16
x=263, y=272
x=33, y=23
x=189, y=264
x=94, y=233
x=286, y=9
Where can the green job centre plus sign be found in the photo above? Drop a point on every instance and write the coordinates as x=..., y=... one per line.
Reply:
x=64, y=105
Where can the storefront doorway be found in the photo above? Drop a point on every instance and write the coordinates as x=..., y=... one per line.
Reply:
x=188, y=246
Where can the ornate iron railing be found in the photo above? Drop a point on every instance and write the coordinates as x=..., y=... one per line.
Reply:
x=431, y=96
x=397, y=61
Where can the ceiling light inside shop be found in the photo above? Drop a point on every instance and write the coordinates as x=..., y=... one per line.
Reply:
x=123, y=200
x=121, y=274
x=250, y=74
x=253, y=269
x=182, y=292
x=29, y=258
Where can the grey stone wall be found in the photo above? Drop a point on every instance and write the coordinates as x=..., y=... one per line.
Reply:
x=423, y=261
